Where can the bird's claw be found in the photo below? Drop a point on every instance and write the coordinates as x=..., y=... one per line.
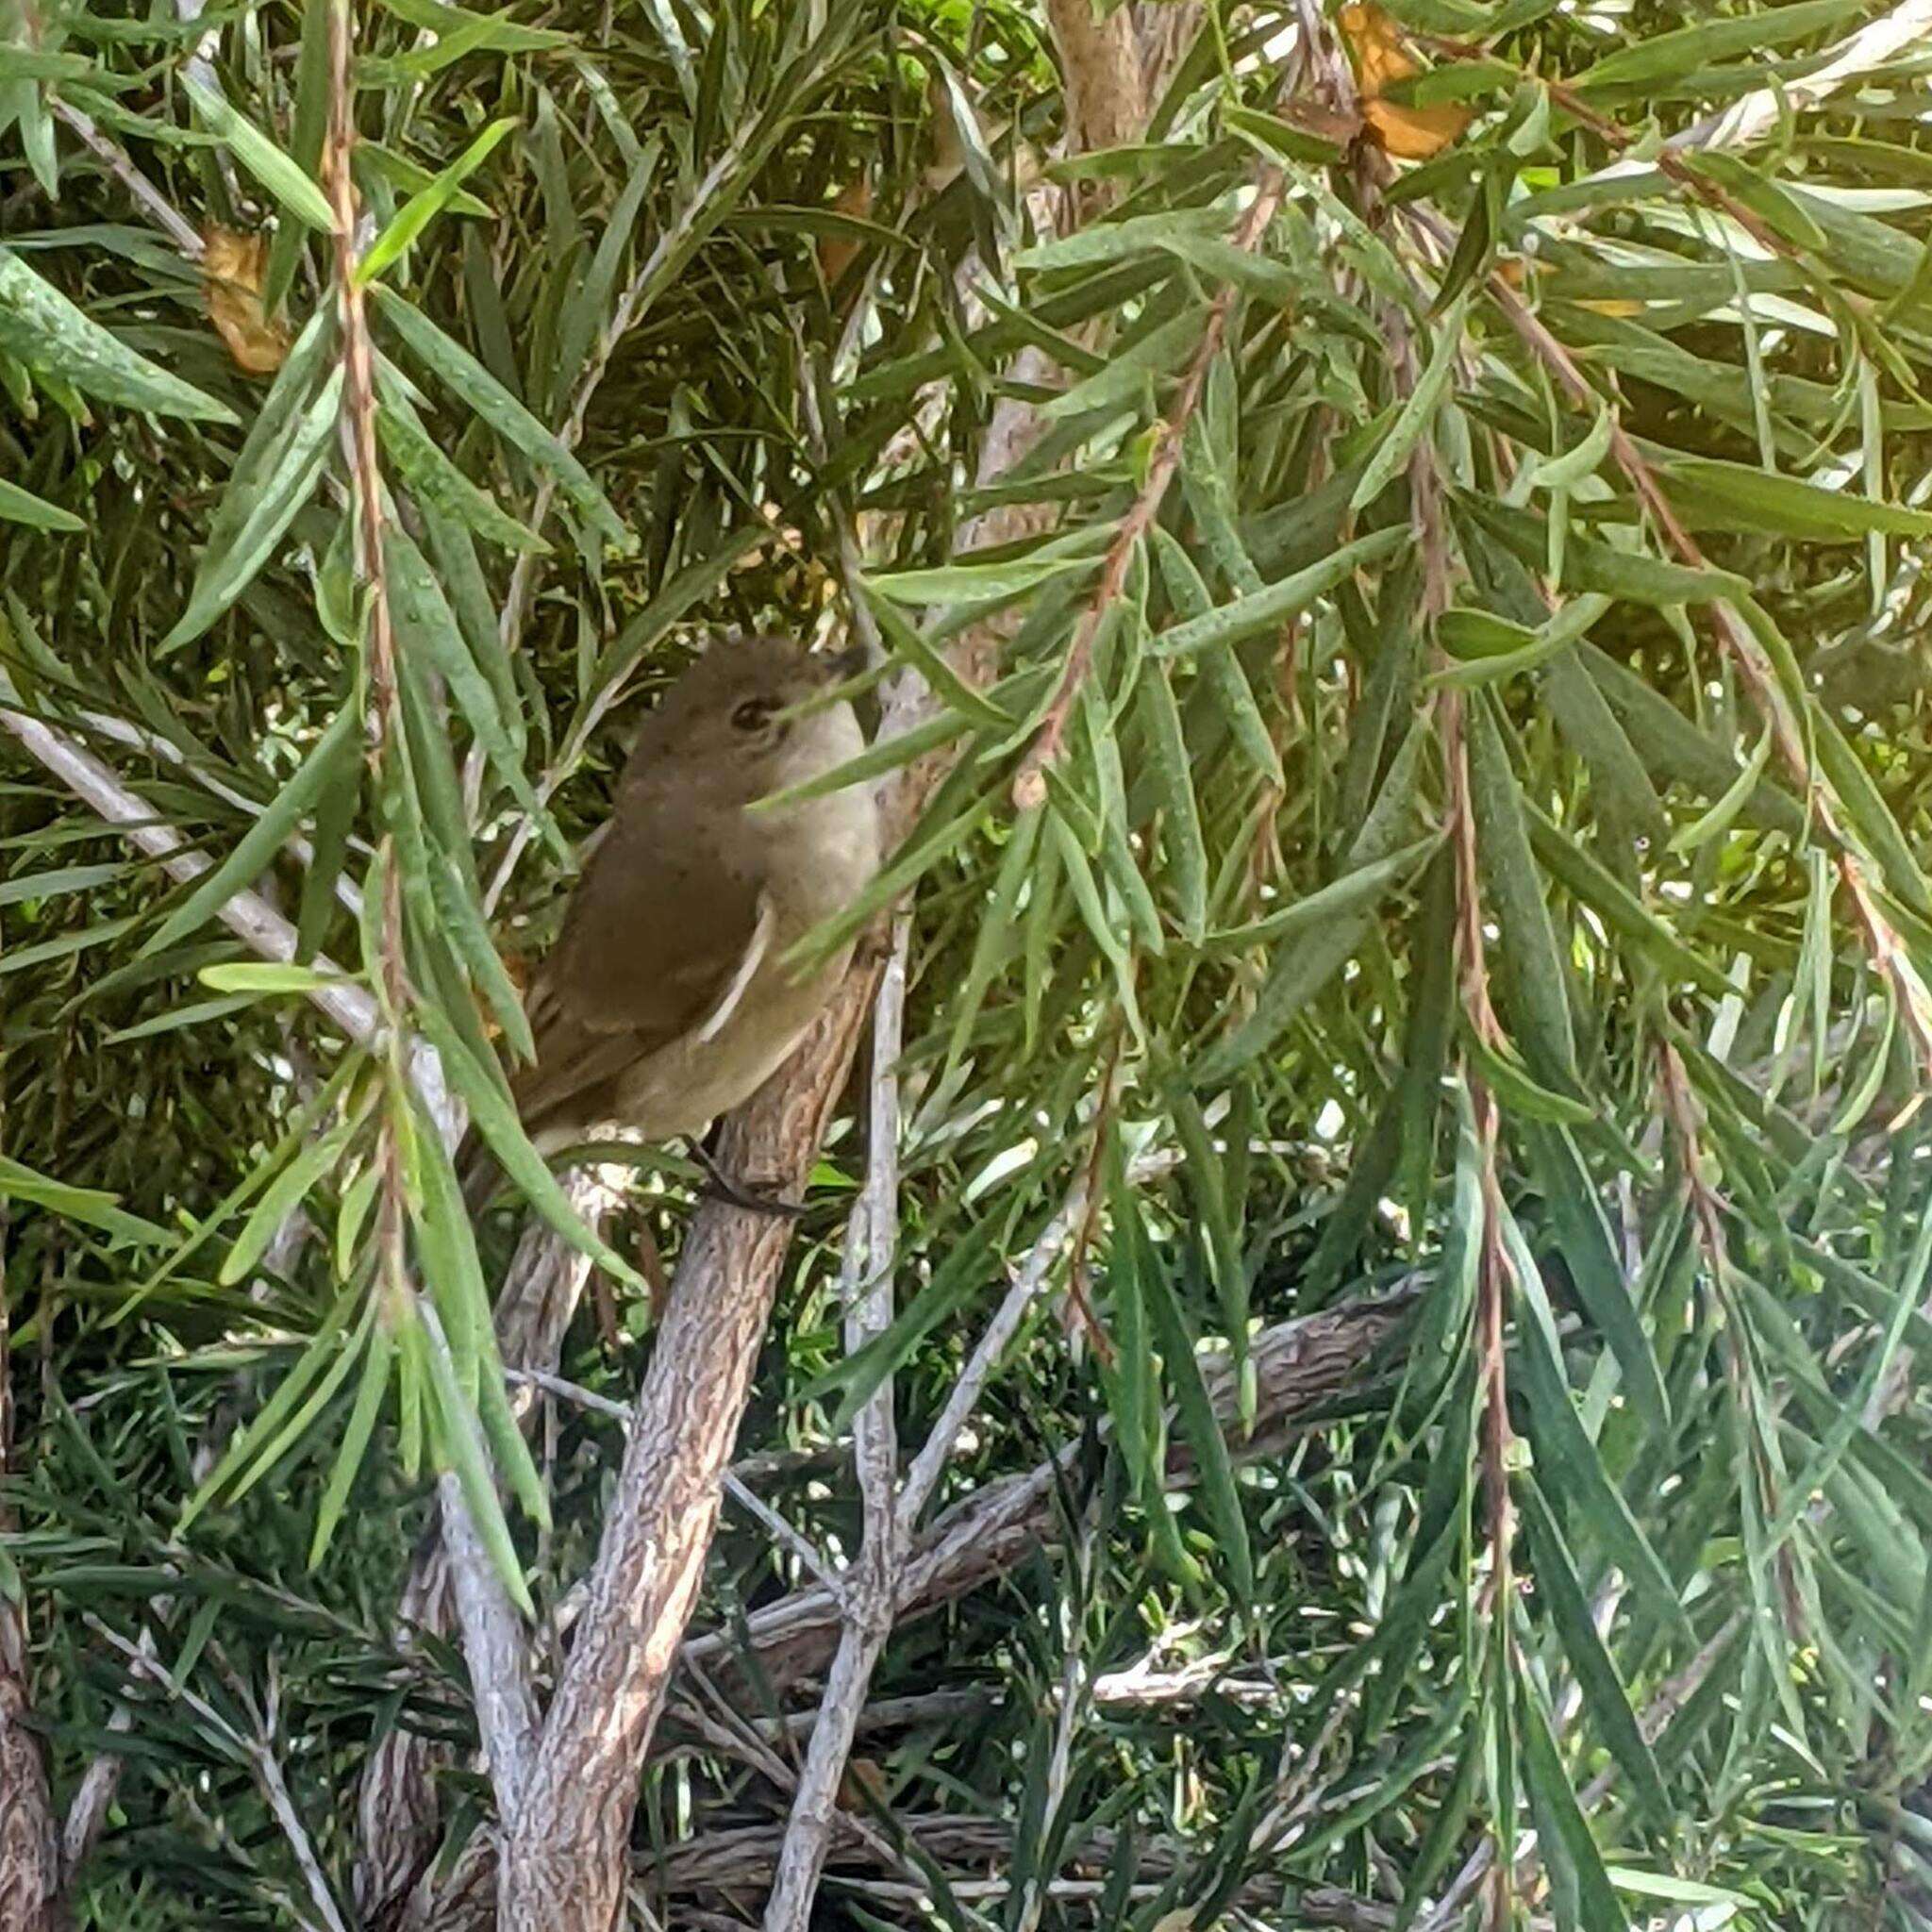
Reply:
x=751, y=1200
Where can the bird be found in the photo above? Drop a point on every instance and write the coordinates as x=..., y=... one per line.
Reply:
x=667, y=998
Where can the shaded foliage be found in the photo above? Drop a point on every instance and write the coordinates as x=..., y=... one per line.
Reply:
x=1550, y=505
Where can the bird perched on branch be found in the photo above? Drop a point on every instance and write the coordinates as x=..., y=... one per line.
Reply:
x=668, y=999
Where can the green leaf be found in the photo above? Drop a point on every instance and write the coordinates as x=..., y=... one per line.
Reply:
x=1267, y=608
x=1676, y=750
x=961, y=583
x=1115, y=241
x=265, y=836
x=1477, y=634
x=1576, y=1217
x=1186, y=591
x=1735, y=497
x=493, y=1116
x=29, y=887
x=1365, y=885
x=1626, y=801
x=330, y=1354
x=1669, y=55
x=1714, y=823
x=448, y=1249
x=1181, y=842
x=280, y=1199
x=886, y=754
x=1569, y=468
x=1131, y=371
x=425, y=622
x=256, y=514
x=89, y=1205
x=1567, y=1459
x=435, y=480
x=1521, y=1095
x=1278, y=136
x=288, y=183
x=906, y=642
x=1418, y=409
x=40, y=327
x=1622, y=911
x=1590, y=565
x=1572, y=1854
x=474, y=386
x=1531, y=959
x=18, y=506
x=1303, y=968
x=459, y=1445
x=1202, y=1428
x=267, y=977
x=361, y=1425
x=424, y=207
x=959, y=1276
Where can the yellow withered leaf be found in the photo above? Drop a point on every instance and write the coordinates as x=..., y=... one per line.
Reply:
x=1409, y=133
x=233, y=268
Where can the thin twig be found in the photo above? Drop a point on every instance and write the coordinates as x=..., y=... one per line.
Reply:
x=248, y=915
x=922, y=1477
x=120, y=164
x=144, y=1662
x=493, y=1637
x=780, y=1528
x=138, y=738
x=870, y=1587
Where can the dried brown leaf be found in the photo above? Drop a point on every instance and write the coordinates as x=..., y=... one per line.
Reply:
x=233, y=270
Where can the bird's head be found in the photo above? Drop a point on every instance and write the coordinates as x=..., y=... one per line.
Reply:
x=742, y=721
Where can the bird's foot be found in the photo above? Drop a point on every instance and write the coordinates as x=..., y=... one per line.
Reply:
x=752, y=1200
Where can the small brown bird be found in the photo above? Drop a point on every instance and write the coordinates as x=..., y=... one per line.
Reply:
x=666, y=1000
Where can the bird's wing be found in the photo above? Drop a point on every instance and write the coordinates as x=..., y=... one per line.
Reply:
x=658, y=943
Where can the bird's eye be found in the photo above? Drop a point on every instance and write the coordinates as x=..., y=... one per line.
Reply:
x=754, y=714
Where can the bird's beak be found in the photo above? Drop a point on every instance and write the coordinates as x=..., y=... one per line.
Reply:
x=839, y=665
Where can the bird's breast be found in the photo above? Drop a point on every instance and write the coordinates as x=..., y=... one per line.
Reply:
x=824, y=856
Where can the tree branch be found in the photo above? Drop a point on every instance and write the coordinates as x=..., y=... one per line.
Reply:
x=870, y=1589
x=564, y=1849
x=1298, y=1366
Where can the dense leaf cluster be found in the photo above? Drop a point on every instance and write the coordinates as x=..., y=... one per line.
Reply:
x=1477, y=852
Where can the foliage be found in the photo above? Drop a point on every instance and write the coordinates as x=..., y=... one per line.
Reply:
x=1533, y=613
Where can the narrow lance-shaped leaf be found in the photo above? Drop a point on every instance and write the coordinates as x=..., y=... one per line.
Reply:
x=1419, y=406
x=1247, y=617
x=1180, y=832
x=18, y=506
x=424, y=207
x=265, y=836
x=47, y=333
x=267, y=507
x=296, y=191
x=1302, y=968
x=460, y=1448
x=1534, y=967
x=468, y=380
x=1596, y=1674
